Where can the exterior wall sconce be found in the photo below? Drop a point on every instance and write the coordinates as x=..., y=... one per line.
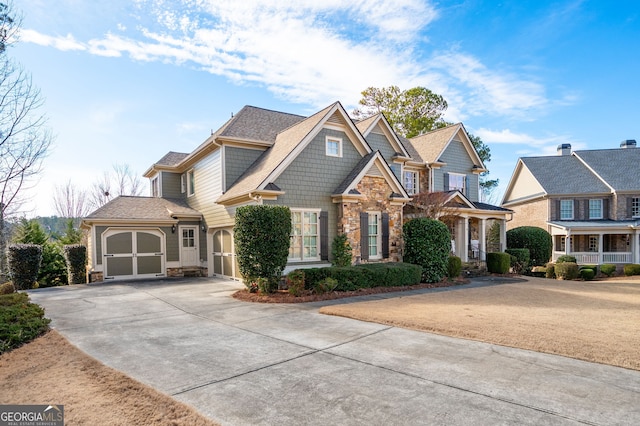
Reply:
x=203, y=227
x=173, y=228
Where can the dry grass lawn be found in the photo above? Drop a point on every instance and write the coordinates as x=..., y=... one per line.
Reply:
x=596, y=321
x=49, y=370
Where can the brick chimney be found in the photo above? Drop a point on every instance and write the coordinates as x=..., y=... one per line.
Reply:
x=564, y=149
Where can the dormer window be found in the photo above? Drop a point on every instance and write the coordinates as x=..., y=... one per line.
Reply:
x=333, y=147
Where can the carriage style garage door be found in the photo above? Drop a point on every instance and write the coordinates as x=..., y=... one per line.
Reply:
x=133, y=254
x=224, y=258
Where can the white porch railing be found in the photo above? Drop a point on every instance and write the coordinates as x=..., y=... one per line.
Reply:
x=592, y=258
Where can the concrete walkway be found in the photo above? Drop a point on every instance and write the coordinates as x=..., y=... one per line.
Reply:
x=246, y=364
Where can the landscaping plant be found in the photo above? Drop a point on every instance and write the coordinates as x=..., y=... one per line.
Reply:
x=608, y=269
x=519, y=259
x=341, y=251
x=262, y=237
x=537, y=240
x=427, y=243
x=567, y=271
x=454, y=267
x=631, y=269
x=20, y=321
x=24, y=263
x=498, y=263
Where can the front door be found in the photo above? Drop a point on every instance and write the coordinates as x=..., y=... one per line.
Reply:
x=189, y=246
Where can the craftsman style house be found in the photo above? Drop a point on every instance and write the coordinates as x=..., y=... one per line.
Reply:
x=336, y=176
x=589, y=201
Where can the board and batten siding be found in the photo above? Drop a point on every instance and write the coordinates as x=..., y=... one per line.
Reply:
x=171, y=186
x=313, y=176
x=208, y=188
x=458, y=161
x=237, y=161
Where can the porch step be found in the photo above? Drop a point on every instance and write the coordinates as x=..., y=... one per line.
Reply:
x=192, y=272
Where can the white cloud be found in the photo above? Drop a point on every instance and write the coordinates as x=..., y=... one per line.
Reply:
x=61, y=43
x=314, y=52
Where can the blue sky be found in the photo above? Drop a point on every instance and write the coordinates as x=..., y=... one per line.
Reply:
x=127, y=81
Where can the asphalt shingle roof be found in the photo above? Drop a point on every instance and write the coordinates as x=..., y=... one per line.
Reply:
x=620, y=168
x=171, y=158
x=430, y=145
x=258, y=124
x=142, y=208
x=564, y=174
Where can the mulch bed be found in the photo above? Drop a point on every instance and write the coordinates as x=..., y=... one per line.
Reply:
x=283, y=296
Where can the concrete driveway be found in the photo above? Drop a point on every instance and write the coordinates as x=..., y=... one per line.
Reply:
x=246, y=364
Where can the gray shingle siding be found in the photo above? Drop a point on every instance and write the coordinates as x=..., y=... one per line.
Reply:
x=458, y=161
x=379, y=142
x=311, y=179
x=237, y=161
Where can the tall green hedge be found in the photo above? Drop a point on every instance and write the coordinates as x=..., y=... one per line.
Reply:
x=537, y=240
x=24, y=263
x=427, y=243
x=76, y=258
x=262, y=237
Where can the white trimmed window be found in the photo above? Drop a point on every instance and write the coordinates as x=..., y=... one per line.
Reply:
x=595, y=209
x=566, y=209
x=563, y=243
x=333, y=147
x=456, y=181
x=191, y=183
x=593, y=243
x=411, y=182
x=375, y=235
x=183, y=183
x=305, y=235
x=155, y=187
x=635, y=207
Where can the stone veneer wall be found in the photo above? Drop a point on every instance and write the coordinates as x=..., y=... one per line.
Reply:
x=377, y=193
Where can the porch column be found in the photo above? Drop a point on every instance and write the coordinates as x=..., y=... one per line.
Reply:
x=567, y=243
x=483, y=240
x=503, y=235
x=600, y=248
x=465, y=240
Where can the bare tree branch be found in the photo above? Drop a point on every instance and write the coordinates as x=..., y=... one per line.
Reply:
x=70, y=201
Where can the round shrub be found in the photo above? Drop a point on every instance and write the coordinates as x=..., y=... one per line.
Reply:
x=631, y=269
x=427, y=243
x=498, y=263
x=537, y=240
x=608, y=269
x=567, y=271
x=587, y=274
x=551, y=270
x=7, y=288
x=455, y=267
x=24, y=264
x=566, y=258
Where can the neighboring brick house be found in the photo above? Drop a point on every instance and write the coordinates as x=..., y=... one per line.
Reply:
x=589, y=201
x=336, y=176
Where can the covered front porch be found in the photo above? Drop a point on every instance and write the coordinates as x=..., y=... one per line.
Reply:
x=473, y=237
x=597, y=242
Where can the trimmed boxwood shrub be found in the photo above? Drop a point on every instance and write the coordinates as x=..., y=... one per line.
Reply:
x=566, y=258
x=631, y=269
x=367, y=275
x=537, y=240
x=551, y=270
x=455, y=267
x=567, y=271
x=341, y=251
x=262, y=236
x=608, y=269
x=587, y=274
x=427, y=243
x=519, y=259
x=24, y=263
x=76, y=257
x=498, y=263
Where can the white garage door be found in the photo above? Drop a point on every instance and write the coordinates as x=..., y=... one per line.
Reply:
x=133, y=254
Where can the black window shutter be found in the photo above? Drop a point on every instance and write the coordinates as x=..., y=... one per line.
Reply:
x=629, y=208
x=324, y=235
x=557, y=216
x=576, y=209
x=385, y=235
x=605, y=208
x=364, y=236
x=586, y=214
x=446, y=181
x=466, y=186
